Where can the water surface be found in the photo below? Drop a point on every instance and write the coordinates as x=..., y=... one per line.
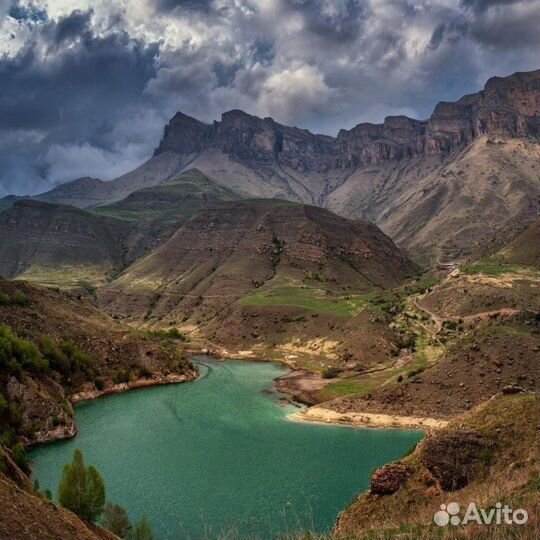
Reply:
x=219, y=454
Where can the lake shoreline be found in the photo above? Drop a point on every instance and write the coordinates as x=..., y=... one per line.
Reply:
x=136, y=384
x=301, y=385
x=70, y=430
x=321, y=415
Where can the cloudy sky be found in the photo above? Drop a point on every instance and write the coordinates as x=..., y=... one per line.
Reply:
x=86, y=86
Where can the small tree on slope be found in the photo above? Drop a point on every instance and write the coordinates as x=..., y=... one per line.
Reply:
x=81, y=489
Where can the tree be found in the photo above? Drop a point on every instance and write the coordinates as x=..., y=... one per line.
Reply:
x=81, y=489
x=116, y=520
x=142, y=531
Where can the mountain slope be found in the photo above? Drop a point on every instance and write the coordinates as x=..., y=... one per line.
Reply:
x=525, y=249
x=86, y=351
x=58, y=244
x=258, y=272
x=89, y=192
x=458, y=206
x=172, y=201
x=155, y=213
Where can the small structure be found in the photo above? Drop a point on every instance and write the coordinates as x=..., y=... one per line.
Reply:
x=447, y=266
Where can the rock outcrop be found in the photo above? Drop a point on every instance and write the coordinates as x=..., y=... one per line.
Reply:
x=507, y=106
x=456, y=458
x=388, y=479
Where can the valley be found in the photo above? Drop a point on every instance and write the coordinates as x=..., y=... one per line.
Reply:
x=389, y=277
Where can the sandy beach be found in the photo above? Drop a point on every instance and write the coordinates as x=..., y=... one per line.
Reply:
x=327, y=416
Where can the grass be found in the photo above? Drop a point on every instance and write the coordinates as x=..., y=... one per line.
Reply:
x=346, y=387
x=309, y=298
x=66, y=277
x=496, y=269
x=111, y=211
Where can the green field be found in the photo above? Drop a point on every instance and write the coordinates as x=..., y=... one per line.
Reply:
x=67, y=277
x=308, y=298
x=497, y=269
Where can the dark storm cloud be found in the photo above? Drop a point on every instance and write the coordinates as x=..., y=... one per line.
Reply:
x=78, y=95
x=203, y=6
x=333, y=20
x=71, y=27
x=511, y=25
x=437, y=36
x=30, y=12
x=482, y=5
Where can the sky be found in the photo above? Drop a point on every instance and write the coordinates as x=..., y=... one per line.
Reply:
x=86, y=86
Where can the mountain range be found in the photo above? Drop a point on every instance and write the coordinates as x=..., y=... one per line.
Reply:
x=446, y=187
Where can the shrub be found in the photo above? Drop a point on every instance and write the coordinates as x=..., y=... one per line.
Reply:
x=3, y=404
x=18, y=299
x=172, y=333
x=330, y=372
x=20, y=458
x=17, y=354
x=145, y=372
x=121, y=376
x=142, y=531
x=116, y=520
x=66, y=358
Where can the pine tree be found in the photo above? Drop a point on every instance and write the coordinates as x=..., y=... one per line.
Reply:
x=81, y=489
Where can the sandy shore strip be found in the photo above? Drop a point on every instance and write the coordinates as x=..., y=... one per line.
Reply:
x=327, y=416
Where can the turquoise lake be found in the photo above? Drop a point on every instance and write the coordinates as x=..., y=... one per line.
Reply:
x=219, y=455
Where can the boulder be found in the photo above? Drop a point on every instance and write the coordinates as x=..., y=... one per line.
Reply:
x=389, y=478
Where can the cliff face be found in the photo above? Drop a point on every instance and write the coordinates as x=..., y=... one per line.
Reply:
x=507, y=106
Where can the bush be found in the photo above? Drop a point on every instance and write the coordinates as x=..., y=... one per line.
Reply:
x=330, y=372
x=142, y=531
x=17, y=354
x=415, y=372
x=18, y=299
x=3, y=404
x=121, y=376
x=20, y=458
x=66, y=358
x=145, y=372
x=116, y=520
x=172, y=333
x=81, y=489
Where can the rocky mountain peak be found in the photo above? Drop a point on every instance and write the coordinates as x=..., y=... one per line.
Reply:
x=508, y=106
x=184, y=134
